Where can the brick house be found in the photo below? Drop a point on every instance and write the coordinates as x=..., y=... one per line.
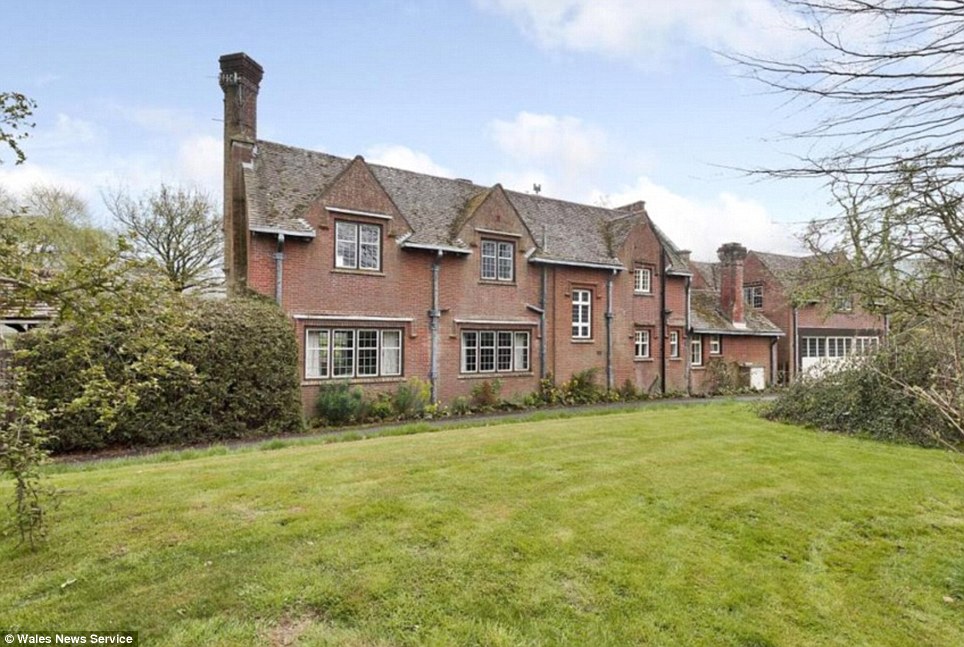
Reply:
x=819, y=333
x=389, y=274
x=726, y=333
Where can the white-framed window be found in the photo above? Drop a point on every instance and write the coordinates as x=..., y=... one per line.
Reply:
x=495, y=351
x=674, y=343
x=716, y=345
x=753, y=296
x=819, y=347
x=351, y=352
x=358, y=245
x=642, y=280
x=642, y=344
x=581, y=314
x=843, y=301
x=497, y=260
x=696, y=351
x=316, y=353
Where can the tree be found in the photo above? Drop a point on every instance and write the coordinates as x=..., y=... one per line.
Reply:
x=884, y=80
x=178, y=229
x=15, y=112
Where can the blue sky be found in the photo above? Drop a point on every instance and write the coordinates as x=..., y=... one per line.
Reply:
x=597, y=100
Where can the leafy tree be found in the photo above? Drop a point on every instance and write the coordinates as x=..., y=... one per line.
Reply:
x=178, y=229
x=15, y=112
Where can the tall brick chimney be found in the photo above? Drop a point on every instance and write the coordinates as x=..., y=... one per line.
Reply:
x=731, y=257
x=240, y=80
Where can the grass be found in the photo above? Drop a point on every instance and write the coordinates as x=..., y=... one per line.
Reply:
x=668, y=526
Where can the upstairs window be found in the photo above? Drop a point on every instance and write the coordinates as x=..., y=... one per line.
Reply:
x=497, y=260
x=358, y=246
x=642, y=280
x=674, y=343
x=842, y=300
x=581, y=314
x=753, y=296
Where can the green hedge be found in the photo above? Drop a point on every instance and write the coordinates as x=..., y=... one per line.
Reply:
x=868, y=398
x=234, y=376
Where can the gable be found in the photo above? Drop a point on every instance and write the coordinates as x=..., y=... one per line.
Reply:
x=492, y=214
x=356, y=192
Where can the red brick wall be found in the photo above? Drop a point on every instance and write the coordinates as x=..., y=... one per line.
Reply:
x=737, y=349
x=402, y=290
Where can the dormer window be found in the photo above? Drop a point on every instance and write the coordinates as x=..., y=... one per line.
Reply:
x=753, y=296
x=497, y=260
x=357, y=246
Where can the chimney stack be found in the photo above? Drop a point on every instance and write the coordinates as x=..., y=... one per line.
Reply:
x=240, y=80
x=731, y=257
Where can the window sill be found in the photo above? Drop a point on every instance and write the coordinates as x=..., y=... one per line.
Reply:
x=643, y=360
x=675, y=359
x=317, y=381
x=497, y=282
x=697, y=368
x=642, y=294
x=582, y=340
x=494, y=375
x=345, y=270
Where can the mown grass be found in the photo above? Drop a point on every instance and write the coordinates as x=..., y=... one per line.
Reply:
x=688, y=526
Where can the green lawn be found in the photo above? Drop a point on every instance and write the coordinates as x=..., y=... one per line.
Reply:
x=698, y=525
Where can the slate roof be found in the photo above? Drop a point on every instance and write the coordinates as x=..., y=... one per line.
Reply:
x=710, y=272
x=283, y=181
x=785, y=268
x=281, y=184
x=706, y=316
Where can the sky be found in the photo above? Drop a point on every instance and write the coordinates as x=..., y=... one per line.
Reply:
x=598, y=101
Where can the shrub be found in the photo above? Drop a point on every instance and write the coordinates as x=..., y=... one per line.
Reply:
x=485, y=395
x=628, y=390
x=581, y=388
x=381, y=408
x=722, y=378
x=168, y=371
x=412, y=397
x=339, y=403
x=460, y=406
x=868, y=397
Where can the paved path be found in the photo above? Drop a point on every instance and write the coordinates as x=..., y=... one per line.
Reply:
x=474, y=420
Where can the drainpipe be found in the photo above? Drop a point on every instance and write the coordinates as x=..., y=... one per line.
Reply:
x=663, y=317
x=609, y=332
x=684, y=343
x=543, y=368
x=279, y=259
x=433, y=318
x=795, y=351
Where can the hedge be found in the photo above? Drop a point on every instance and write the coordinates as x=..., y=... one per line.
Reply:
x=234, y=376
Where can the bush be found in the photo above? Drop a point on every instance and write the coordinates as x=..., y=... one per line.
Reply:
x=581, y=388
x=412, y=397
x=339, y=403
x=171, y=371
x=460, y=406
x=722, y=378
x=867, y=398
x=485, y=395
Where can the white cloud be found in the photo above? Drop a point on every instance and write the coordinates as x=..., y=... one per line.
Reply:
x=158, y=120
x=703, y=225
x=543, y=137
x=398, y=156
x=645, y=31
x=200, y=162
